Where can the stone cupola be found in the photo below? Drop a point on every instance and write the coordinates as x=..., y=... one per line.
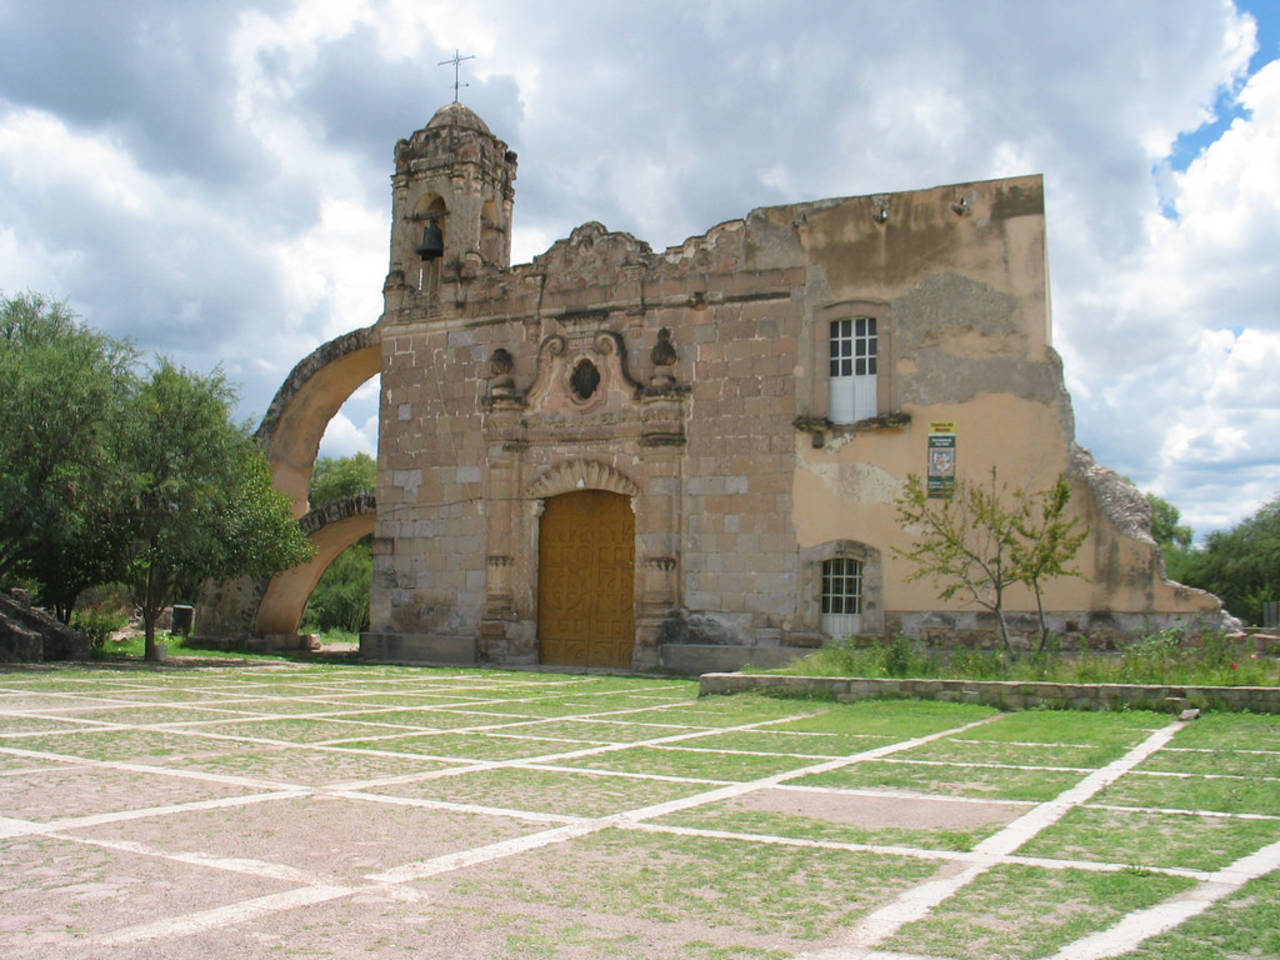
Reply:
x=456, y=174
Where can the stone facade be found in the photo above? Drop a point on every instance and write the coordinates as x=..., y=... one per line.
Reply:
x=696, y=382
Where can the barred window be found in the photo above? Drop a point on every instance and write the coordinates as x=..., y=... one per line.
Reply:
x=841, y=586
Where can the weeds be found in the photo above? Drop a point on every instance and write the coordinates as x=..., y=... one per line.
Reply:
x=1160, y=658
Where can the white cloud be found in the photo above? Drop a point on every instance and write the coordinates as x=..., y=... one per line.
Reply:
x=213, y=180
x=344, y=439
x=1187, y=333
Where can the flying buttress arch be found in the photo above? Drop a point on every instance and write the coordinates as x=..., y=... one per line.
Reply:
x=331, y=530
x=289, y=437
x=313, y=392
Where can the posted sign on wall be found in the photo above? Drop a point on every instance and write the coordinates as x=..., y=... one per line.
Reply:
x=941, y=477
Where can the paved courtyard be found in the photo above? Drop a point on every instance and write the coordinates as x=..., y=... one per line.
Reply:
x=347, y=811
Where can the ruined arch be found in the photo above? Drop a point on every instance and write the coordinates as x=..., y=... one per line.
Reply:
x=289, y=437
x=331, y=529
x=313, y=392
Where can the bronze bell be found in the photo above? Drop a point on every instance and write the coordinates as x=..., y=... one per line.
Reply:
x=432, y=245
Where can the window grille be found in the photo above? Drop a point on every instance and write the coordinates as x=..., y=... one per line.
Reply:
x=841, y=586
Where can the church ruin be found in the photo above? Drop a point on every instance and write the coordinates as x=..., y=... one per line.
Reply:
x=624, y=458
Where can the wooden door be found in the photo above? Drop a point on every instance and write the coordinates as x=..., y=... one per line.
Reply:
x=586, y=580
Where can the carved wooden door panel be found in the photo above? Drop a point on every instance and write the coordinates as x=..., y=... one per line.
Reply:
x=586, y=580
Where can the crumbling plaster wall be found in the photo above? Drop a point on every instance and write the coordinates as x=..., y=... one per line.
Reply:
x=961, y=291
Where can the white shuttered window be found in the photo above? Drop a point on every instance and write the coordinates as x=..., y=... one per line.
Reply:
x=853, y=369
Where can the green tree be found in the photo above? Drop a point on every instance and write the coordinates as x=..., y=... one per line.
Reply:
x=1173, y=538
x=1240, y=565
x=202, y=504
x=1165, y=529
x=987, y=537
x=90, y=556
x=1047, y=543
x=964, y=543
x=63, y=389
x=340, y=600
x=337, y=478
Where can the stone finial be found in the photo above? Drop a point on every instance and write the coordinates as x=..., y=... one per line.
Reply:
x=663, y=381
x=663, y=356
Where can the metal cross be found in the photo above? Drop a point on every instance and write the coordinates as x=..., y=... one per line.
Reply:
x=455, y=60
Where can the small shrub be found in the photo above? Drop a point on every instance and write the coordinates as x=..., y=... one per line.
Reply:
x=98, y=624
x=897, y=657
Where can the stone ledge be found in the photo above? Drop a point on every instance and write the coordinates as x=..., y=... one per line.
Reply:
x=1004, y=694
x=691, y=659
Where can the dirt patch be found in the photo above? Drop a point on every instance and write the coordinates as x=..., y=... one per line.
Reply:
x=314, y=767
x=336, y=840
x=546, y=791
x=44, y=702
x=877, y=813
x=81, y=791
x=57, y=892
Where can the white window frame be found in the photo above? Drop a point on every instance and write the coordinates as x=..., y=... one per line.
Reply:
x=841, y=600
x=853, y=358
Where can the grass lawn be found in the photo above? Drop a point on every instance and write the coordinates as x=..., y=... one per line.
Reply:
x=335, y=809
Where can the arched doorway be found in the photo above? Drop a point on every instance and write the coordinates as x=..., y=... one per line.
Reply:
x=586, y=580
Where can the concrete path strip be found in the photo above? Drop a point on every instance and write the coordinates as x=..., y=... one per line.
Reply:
x=916, y=902
x=1144, y=924
x=220, y=916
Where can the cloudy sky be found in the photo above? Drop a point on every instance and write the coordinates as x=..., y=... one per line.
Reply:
x=211, y=178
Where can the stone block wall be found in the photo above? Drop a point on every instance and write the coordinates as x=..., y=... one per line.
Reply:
x=1006, y=695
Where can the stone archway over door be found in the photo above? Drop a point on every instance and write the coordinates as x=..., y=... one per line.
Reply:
x=586, y=580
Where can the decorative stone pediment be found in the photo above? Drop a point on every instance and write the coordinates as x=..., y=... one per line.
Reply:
x=581, y=372
x=590, y=248
x=581, y=475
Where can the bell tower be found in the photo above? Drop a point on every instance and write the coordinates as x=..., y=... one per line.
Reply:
x=452, y=198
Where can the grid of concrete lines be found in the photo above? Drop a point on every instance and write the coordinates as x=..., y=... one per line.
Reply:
x=84, y=755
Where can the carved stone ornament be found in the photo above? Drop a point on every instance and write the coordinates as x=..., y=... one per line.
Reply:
x=584, y=379
x=501, y=383
x=664, y=357
x=500, y=362
x=579, y=372
x=663, y=353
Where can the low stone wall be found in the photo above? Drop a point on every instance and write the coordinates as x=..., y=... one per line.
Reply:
x=1005, y=694
x=422, y=648
x=693, y=659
